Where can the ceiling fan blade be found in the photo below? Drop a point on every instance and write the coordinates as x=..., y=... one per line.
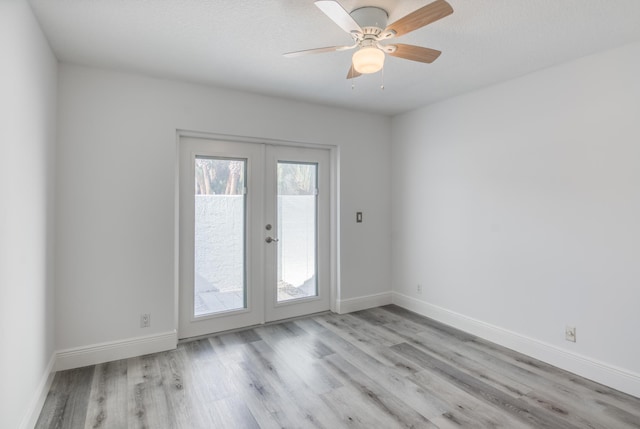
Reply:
x=318, y=51
x=421, y=17
x=415, y=53
x=337, y=14
x=353, y=73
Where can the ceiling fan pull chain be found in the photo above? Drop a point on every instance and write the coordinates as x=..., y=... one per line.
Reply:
x=382, y=84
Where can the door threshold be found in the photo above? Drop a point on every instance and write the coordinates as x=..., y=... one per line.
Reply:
x=245, y=328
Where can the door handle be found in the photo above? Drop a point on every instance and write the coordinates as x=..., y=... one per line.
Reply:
x=271, y=240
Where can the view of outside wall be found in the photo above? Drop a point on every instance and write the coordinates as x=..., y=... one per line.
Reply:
x=219, y=243
x=297, y=213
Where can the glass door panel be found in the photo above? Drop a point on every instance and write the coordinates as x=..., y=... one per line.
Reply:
x=219, y=235
x=297, y=230
x=220, y=242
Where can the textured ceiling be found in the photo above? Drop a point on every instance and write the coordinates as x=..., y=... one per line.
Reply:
x=239, y=44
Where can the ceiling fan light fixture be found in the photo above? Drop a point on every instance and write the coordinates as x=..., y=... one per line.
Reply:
x=368, y=59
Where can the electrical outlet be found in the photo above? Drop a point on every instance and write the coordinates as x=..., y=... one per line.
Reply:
x=419, y=288
x=145, y=320
x=570, y=333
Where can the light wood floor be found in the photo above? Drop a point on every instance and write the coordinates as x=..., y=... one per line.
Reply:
x=378, y=368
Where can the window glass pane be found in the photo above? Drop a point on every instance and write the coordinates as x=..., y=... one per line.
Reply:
x=219, y=253
x=297, y=216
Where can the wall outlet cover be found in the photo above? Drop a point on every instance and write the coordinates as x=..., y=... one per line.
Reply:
x=145, y=320
x=570, y=333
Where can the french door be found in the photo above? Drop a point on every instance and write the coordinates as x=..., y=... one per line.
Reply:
x=254, y=234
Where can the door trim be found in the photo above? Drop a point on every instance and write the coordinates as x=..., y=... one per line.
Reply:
x=334, y=206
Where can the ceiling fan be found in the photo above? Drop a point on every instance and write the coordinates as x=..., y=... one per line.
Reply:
x=368, y=27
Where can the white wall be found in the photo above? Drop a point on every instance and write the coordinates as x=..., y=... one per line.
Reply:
x=27, y=140
x=518, y=206
x=115, y=197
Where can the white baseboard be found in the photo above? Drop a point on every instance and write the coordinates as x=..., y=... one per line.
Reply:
x=35, y=407
x=115, y=350
x=363, y=302
x=601, y=372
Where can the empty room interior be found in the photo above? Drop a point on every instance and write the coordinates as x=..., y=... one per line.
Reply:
x=335, y=213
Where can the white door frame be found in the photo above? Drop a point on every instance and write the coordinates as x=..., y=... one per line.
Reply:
x=334, y=266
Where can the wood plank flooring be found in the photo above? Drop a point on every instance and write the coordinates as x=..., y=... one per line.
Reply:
x=379, y=368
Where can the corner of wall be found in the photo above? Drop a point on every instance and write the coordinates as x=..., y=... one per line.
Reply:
x=33, y=411
x=363, y=302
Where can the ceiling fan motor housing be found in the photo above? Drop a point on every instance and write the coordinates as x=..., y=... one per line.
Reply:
x=371, y=19
x=369, y=58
